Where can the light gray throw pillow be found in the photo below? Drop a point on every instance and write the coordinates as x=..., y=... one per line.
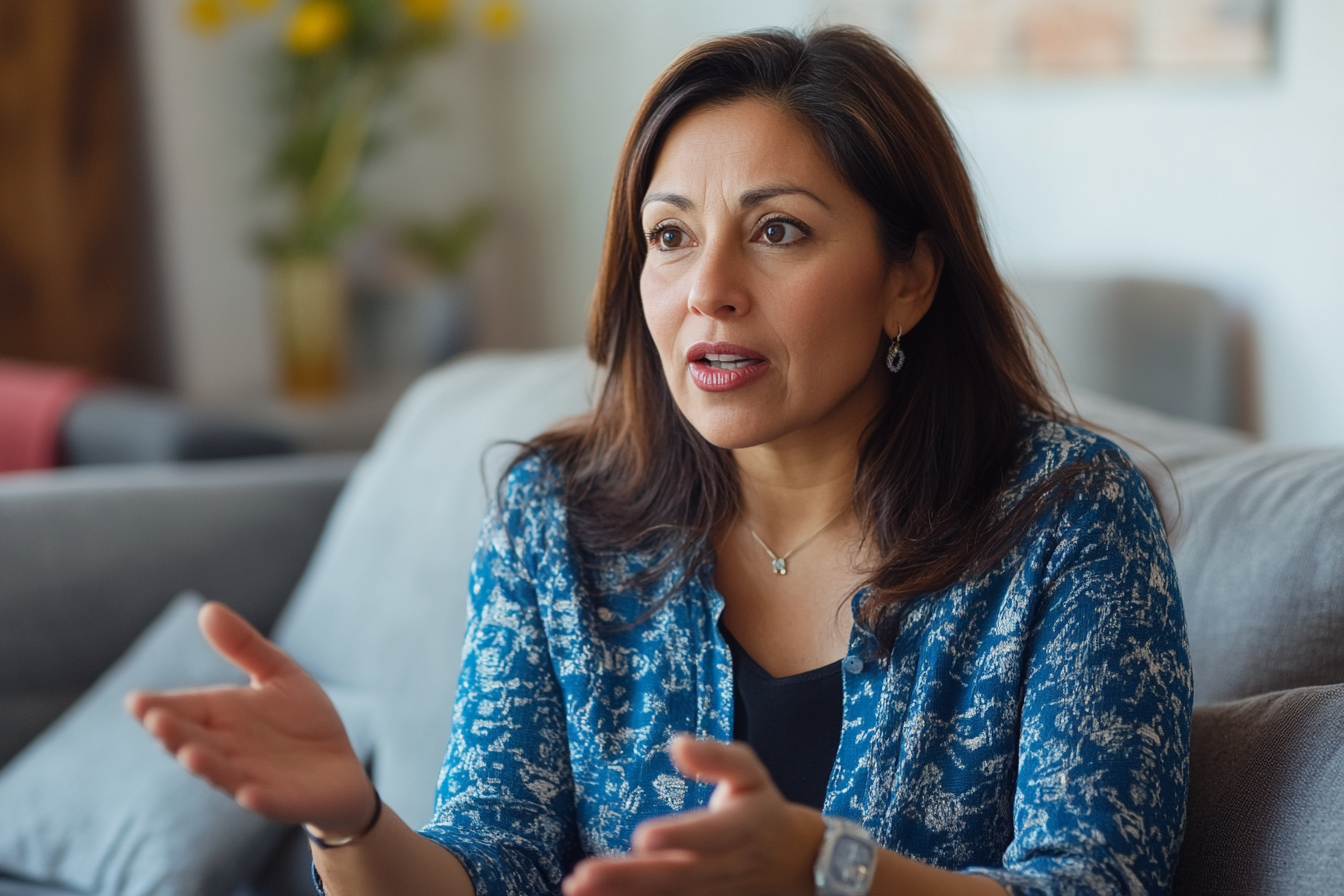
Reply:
x=96, y=805
x=1266, y=809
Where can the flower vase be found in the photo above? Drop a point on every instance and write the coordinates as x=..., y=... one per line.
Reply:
x=309, y=300
x=410, y=328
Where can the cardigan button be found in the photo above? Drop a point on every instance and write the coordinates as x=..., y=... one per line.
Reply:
x=852, y=664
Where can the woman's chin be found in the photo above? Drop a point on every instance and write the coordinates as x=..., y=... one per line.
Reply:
x=733, y=431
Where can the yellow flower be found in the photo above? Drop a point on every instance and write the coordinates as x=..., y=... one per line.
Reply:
x=316, y=25
x=427, y=10
x=206, y=16
x=256, y=6
x=499, y=19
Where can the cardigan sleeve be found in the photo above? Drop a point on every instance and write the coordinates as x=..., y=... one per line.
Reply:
x=1103, y=753
x=505, y=799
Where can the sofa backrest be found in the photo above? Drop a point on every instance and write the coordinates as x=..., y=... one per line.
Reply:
x=90, y=556
x=1258, y=539
x=382, y=607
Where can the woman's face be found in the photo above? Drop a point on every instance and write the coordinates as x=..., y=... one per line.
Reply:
x=765, y=287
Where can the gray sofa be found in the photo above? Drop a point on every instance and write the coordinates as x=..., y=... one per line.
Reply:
x=89, y=559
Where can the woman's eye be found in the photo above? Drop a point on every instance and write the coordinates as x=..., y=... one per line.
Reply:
x=668, y=237
x=779, y=233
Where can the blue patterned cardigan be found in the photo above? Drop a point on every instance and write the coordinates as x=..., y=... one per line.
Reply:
x=1031, y=724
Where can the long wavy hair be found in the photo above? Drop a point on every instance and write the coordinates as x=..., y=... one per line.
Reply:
x=935, y=462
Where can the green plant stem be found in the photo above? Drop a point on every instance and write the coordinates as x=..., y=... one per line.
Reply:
x=344, y=149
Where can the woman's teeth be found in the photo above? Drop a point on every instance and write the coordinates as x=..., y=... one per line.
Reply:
x=729, y=362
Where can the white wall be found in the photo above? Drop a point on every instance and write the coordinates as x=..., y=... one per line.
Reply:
x=571, y=87
x=203, y=139
x=1233, y=183
x=1237, y=183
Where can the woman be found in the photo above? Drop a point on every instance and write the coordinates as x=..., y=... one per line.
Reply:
x=824, y=508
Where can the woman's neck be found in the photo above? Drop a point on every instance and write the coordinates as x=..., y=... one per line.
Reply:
x=789, y=491
x=795, y=484
x=779, y=494
x=790, y=613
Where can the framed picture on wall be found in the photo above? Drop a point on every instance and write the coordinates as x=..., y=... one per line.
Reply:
x=970, y=39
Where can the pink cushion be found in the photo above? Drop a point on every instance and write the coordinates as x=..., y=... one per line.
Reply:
x=34, y=400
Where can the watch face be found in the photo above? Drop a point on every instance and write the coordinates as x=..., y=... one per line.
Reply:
x=850, y=860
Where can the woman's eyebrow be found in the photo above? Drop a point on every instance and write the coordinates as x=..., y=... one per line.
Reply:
x=762, y=194
x=675, y=199
x=747, y=200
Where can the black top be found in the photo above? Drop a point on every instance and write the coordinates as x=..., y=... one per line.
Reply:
x=793, y=723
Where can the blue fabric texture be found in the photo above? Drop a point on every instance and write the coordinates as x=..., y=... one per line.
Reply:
x=1031, y=724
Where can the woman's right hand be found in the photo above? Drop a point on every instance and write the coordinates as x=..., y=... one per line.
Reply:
x=275, y=745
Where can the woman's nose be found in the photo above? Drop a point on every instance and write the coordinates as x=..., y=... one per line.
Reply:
x=718, y=283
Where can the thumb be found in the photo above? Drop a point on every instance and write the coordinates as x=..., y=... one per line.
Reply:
x=234, y=638
x=734, y=767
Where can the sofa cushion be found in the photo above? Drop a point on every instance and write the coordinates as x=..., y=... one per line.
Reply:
x=90, y=556
x=1259, y=549
x=10, y=886
x=383, y=604
x=1266, y=789
x=94, y=804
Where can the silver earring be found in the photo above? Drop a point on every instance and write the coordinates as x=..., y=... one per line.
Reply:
x=895, y=354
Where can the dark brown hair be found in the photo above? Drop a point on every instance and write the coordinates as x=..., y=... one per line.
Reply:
x=929, y=490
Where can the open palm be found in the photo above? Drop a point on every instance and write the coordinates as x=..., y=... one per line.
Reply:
x=276, y=745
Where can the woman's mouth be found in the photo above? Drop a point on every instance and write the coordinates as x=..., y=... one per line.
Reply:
x=729, y=362
x=722, y=368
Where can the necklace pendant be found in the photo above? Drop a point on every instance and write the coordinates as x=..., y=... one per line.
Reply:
x=778, y=566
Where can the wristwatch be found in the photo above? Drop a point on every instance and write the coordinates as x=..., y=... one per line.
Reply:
x=847, y=860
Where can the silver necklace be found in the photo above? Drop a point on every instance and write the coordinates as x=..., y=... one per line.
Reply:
x=777, y=562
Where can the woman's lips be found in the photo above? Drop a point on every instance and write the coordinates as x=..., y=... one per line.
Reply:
x=723, y=366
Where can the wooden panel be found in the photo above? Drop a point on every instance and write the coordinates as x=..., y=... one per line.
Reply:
x=71, y=234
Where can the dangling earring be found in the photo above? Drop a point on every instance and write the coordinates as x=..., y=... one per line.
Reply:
x=895, y=354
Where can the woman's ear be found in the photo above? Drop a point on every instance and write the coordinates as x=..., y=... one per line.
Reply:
x=912, y=286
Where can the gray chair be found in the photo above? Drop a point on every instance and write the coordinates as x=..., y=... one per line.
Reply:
x=1171, y=347
x=136, y=426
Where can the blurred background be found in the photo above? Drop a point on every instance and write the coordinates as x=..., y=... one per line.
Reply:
x=1162, y=179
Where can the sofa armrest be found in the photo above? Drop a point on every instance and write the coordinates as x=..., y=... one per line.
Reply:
x=88, y=558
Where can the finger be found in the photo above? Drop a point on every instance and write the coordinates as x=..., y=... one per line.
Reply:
x=697, y=831
x=234, y=638
x=138, y=703
x=196, y=704
x=734, y=765
x=194, y=748
x=173, y=731
x=672, y=873
x=208, y=764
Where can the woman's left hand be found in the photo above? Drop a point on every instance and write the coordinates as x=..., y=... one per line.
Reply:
x=748, y=841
